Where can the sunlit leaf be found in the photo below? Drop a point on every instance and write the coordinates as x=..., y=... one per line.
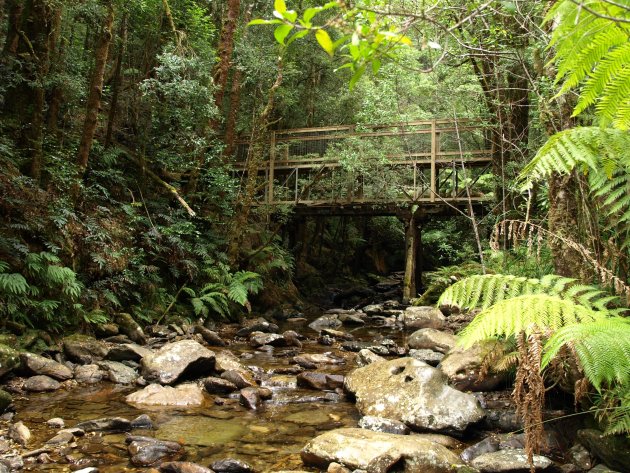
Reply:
x=279, y=6
x=357, y=75
x=298, y=35
x=324, y=41
x=261, y=21
x=281, y=32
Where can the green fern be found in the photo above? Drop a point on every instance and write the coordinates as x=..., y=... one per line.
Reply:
x=602, y=346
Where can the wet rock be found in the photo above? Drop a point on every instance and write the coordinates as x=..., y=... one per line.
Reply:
x=89, y=469
x=356, y=346
x=88, y=374
x=156, y=395
x=319, y=381
x=366, y=357
x=250, y=398
x=130, y=327
x=325, y=321
x=432, y=339
x=462, y=367
x=514, y=460
x=352, y=318
x=128, y=351
x=12, y=462
x=258, y=339
x=430, y=357
x=241, y=379
x=256, y=325
x=106, y=330
x=337, y=334
x=105, y=424
x=602, y=469
x=312, y=360
x=292, y=338
x=226, y=360
x=487, y=445
x=9, y=359
x=40, y=384
x=5, y=446
x=143, y=421
x=63, y=437
x=147, y=451
x=423, y=317
x=580, y=457
x=377, y=452
x=231, y=465
x=56, y=423
x=414, y=393
x=118, y=373
x=36, y=364
x=177, y=360
x=210, y=337
x=219, y=385
x=83, y=349
x=381, y=424
x=613, y=450
x=335, y=467
x=183, y=467
x=5, y=400
x=374, y=309
x=19, y=433
x=4, y=468
x=326, y=340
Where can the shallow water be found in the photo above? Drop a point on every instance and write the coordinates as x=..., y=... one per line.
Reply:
x=268, y=439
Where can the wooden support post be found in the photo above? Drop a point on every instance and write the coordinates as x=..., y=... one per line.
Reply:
x=433, y=157
x=272, y=159
x=411, y=246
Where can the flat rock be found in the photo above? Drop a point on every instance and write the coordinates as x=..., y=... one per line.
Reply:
x=128, y=351
x=325, y=321
x=40, y=384
x=147, y=451
x=258, y=339
x=216, y=385
x=432, y=339
x=377, y=452
x=105, y=424
x=156, y=395
x=423, y=317
x=256, y=325
x=381, y=424
x=118, y=373
x=83, y=349
x=231, y=465
x=337, y=334
x=319, y=381
x=503, y=461
x=412, y=392
x=39, y=365
x=226, y=360
x=241, y=379
x=312, y=360
x=430, y=357
x=183, y=467
x=366, y=357
x=210, y=337
x=88, y=374
x=463, y=366
x=177, y=360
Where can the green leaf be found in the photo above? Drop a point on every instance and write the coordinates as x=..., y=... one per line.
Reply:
x=281, y=32
x=298, y=35
x=376, y=65
x=290, y=15
x=357, y=75
x=325, y=42
x=309, y=13
x=261, y=21
x=279, y=6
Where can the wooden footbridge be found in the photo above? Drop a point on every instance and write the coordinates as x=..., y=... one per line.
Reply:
x=379, y=169
x=411, y=170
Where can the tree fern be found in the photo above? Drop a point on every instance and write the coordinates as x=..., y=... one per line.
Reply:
x=526, y=314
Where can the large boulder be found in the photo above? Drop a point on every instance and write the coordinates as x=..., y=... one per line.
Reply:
x=423, y=317
x=41, y=383
x=507, y=461
x=130, y=327
x=118, y=373
x=463, y=368
x=37, y=364
x=613, y=450
x=156, y=395
x=326, y=321
x=9, y=359
x=412, y=392
x=128, y=351
x=174, y=361
x=377, y=452
x=432, y=339
x=83, y=349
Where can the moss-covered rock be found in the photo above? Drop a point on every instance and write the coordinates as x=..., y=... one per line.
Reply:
x=5, y=400
x=9, y=359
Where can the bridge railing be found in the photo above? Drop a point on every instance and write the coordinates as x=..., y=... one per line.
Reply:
x=422, y=161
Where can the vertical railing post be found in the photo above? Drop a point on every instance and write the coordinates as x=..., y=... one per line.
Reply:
x=272, y=159
x=434, y=145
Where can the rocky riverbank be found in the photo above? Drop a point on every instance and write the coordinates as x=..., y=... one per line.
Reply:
x=378, y=388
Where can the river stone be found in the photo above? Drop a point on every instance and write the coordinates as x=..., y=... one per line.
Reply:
x=19, y=433
x=463, y=366
x=487, y=445
x=366, y=357
x=201, y=431
x=5, y=400
x=143, y=421
x=226, y=360
x=37, y=364
x=423, y=317
x=210, y=337
x=231, y=465
x=430, y=357
x=432, y=339
x=183, y=467
x=41, y=383
x=514, y=460
x=118, y=373
x=63, y=437
x=130, y=327
x=311, y=360
x=216, y=385
x=381, y=424
x=105, y=424
x=256, y=325
x=250, y=398
x=580, y=457
x=88, y=374
x=83, y=349
x=128, y=351
x=354, y=317
x=412, y=392
x=258, y=339
x=325, y=321
x=241, y=379
x=602, y=469
x=147, y=451
x=613, y=450
x=9, y=359
x=377, y=452
x=156, y=395
x=319, y=381
x=177, y=360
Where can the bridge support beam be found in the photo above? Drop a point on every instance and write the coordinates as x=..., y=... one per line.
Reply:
x=413, y=252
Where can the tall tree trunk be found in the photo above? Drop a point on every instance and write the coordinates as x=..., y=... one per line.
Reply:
x=57, y=53
x=14, y=25
x=117, y=78
x=96, y=89
x=224, y=52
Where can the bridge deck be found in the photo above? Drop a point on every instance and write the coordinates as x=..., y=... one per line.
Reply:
x=435, y=164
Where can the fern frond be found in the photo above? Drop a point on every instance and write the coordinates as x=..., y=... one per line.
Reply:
x=13, y=283
x=526, y=314
x=602, y=346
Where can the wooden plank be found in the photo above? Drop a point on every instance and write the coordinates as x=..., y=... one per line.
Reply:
x=433, y=158
x=272, y=157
